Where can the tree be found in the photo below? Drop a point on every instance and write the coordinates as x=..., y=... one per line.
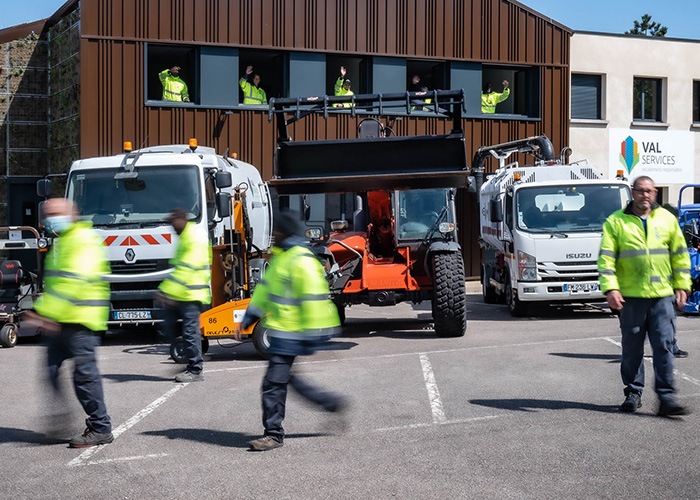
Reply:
x=647, y=27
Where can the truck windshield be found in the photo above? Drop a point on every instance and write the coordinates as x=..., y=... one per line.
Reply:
x=568, y=208
x=144, y=200
x=419, y=209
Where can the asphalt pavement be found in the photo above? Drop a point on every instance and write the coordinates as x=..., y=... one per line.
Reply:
x=516, y=409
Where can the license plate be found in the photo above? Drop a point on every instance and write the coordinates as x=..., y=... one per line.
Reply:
x=131, y=315
x=581, y=287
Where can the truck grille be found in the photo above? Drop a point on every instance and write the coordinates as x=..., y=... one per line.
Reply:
x=567, y=271
x=139, y=267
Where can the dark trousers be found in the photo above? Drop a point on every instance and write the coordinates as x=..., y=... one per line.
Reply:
x=78, y=342
x=188, y=312
x=274, y=394
x=653, y=318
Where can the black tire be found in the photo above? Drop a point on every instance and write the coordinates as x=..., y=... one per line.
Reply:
x=516, y=307
x=205, y=345
x=449, y=295
x=260, y=340
x=488, y=291
x=341, y=311
x=8, y=335
x=177, y=351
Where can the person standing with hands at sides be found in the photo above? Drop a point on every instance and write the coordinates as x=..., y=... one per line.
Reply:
x=174, y=87
x=644, y=268
x=252, y=93
x=186, y=290
x=489, y=98
x=342, y=88
x=293, y=303
x=72, y=310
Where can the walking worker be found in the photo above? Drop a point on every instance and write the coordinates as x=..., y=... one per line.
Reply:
x=293, y=303
x=489, y=98
x=342, y=88
x=72, y=310
x=174, y=87
x=252, y=93
x=186, y=290
x=644, y=267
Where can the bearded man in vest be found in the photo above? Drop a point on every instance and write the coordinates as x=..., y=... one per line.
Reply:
x=186, y=291
x=644, y=269
x=293, y=303
x=72, y=310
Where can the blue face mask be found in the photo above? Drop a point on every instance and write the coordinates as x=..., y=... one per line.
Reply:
x=58, y=224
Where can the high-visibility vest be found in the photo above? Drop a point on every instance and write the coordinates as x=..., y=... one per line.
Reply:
x=293, y=297
x=251, y=93
x=174, y=87
x=340, y=91
x=191, y=276
x=489, y=101
x=75, y=289
x=644, y=264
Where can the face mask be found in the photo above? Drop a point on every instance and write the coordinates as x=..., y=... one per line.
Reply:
x=58, y=224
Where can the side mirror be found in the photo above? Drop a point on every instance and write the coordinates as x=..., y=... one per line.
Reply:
x=496, y=210
x=307, y=210
x=43, y=188
x=223, y=204
x=223, y=180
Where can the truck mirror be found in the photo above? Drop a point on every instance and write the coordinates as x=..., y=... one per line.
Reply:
x=223, y=180
x=223, y=206
x=43, y=188
x=496, y=210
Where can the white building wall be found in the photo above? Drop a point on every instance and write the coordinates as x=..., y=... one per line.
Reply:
x=619, y=59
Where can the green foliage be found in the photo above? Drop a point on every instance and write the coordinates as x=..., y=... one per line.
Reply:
x=647, y=27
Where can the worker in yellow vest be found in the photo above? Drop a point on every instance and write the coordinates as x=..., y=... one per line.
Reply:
x=174, y=87
x=73, y=309
x=186, y=291
x=252, y=93
x=489, y=98
x=342, y=88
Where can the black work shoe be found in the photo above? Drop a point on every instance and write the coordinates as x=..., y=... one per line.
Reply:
x=680, y=353
x=265, y=443
x=672, y=409
x=91, y=438
x=632, y=402
x=189, y=377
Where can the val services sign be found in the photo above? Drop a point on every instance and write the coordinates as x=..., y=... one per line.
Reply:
x=665, y=156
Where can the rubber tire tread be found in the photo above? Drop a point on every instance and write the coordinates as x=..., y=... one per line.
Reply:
x=449, y=295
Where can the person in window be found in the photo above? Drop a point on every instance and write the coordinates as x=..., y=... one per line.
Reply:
x=422, y=91
x=342, y=88
x=174, y=87
x=252, y=93
x=489, y=98
x=415, y=85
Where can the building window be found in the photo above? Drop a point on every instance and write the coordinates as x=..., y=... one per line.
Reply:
x=647, y=99
x=696, y=102
x=269, y=66
x=428, y=75
x=524, y=85
x=161, y=58
x=586, y=91
x=356, y=71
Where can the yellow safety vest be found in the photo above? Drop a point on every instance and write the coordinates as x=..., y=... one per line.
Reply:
x=174, y=87
x=191, y=276
x=489, y=101
x=75, y=290
x=251, y=93
x=340, y=91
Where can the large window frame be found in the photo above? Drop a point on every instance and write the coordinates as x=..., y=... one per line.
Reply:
x=525, y=89
x=647, y=99
x=587, y=96
x=160, y=57
x=696, y=102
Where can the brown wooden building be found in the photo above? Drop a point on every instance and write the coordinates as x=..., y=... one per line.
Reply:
x=105, y=59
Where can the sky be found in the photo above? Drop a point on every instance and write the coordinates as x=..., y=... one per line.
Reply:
x=607, y=16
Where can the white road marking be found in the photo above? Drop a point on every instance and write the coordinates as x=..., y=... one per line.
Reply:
x=433, y=392
x=84, y=456
x=446, y=422
x=126, y=459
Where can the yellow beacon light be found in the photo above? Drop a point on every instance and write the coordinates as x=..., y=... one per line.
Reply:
x=127, y=147
x=193, y=144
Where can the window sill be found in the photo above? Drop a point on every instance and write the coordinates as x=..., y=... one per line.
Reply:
x=695, y=126
x=648, y=124
x=589, y=121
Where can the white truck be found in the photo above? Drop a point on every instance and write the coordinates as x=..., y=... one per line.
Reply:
x=127, y=197
x=541, y=225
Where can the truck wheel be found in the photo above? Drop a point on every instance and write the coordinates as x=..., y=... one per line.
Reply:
x=516, y=307
x=205, y=345
x=177, y=351
x=487, y=290
x=449, y=295
x=341, y=311
x=260, y=340
x=8, y=335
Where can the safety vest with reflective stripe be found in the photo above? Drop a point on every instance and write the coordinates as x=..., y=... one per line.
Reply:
x=251, y=93
x=643, y=264
x=75, y=289
x=293, y=297
x=341, y=91
x=189, y=281
x=174, y=87
x=489, y=101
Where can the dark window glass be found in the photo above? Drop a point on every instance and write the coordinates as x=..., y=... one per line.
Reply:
x=586, y=97
x=647, y=99
x=696, y=102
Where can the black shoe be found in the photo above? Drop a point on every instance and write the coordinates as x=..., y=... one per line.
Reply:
x=91, y=438
x=632, y=402
x=680, y=353
x=265, y=443
x=672, y=409
x=186, y=377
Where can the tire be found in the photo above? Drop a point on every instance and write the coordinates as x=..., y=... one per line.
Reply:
x=8, y=335
x=205, y=345
x=487, y=291
x=341, y=311
x=177, y=351
x=260, y=340
x=449, y=295
x=516, y=307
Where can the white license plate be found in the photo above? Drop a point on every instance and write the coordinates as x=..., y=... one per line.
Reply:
x=581, y=287
x=132, y=315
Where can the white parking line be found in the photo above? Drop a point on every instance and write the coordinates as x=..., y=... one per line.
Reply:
x=125, y=459
x=446, y=422
x=433, y=392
